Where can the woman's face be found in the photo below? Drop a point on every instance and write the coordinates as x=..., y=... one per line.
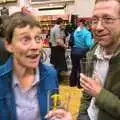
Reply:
x=25, y=47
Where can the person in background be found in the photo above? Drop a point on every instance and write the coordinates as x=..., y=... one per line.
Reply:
x=4, y=54
x=69, y=30
x=101, y=96
x=25, y=82
x=82, y=43
x=58, y=46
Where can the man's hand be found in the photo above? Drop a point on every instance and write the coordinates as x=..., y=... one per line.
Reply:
x=58, y=114
x=91, y=86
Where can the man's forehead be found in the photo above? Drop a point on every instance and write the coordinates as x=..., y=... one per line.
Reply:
x=106, y=4
x=106, y=7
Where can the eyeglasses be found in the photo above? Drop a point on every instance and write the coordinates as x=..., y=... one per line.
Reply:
x=104, y=20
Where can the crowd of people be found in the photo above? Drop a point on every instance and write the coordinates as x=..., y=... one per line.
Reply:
x=27, y=85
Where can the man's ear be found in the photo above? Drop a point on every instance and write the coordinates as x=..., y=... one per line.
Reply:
x=8, y=46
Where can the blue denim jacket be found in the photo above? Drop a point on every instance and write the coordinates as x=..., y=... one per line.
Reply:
x=48, y=82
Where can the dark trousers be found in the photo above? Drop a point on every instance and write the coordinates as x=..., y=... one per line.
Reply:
x=76, y=55
x=75, y=72
x=58, y=59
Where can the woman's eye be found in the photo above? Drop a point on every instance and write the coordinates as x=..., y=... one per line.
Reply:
x=25, y=40
x=38, y=39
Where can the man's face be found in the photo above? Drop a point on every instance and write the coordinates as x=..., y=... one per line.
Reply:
x=79, y=24
x=25, y=46
x=106, y=23
x=62, y=26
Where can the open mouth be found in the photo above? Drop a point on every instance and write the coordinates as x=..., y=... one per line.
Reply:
x=33, y=56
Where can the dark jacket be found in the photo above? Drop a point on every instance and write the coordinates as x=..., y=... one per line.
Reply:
x=48, y=82
x=4, y=54
x=108, y=101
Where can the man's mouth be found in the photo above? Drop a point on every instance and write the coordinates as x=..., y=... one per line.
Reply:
x=102, y=36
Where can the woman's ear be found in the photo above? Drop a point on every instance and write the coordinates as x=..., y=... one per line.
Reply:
x=8, y=46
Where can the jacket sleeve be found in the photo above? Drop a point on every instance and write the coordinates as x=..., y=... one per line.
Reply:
x=108, y=102
x=84, y=104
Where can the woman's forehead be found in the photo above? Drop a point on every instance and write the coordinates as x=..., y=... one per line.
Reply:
x=26, y=30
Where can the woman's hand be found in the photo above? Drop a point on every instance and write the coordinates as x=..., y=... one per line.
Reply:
x=58, y=114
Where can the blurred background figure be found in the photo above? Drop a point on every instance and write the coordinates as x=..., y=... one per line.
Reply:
x=82, y=42
x=4, y=54
x=58, y=46
x=4, y=11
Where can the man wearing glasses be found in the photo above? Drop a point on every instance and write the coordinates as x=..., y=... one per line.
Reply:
x=101, y=94
x=102, y=90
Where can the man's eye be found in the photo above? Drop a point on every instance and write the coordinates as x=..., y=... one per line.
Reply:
x=94, y=20
x=107, y=19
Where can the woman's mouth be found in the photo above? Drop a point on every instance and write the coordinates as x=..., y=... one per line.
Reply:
x=33, y=57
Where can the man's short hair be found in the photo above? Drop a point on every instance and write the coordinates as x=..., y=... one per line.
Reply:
x=96, y=1
x=19, y=20
x=59, y=21
x=81, y=20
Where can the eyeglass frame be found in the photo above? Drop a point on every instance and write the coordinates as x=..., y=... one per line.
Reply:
x=104, y=20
